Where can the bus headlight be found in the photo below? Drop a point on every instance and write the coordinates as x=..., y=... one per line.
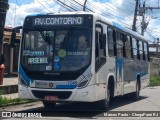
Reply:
x=22, y=81
x=84, y=82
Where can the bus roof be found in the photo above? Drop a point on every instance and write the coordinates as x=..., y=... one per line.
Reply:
x=99, y=17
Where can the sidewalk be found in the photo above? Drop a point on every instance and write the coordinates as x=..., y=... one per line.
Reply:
x=9, y=88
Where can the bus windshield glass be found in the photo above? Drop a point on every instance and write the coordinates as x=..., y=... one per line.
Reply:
x=56, y=50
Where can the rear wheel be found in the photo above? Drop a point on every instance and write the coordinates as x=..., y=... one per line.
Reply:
x=48, y=104
x=135, y=95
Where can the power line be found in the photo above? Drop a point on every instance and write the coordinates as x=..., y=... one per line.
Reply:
x=82, y=5
x=130, y=3
x=150, y=34
x=115, y=1
x=74, y=5
x=59, y=4
x=62, y=5
x=66, y=5
x=50, y=6
x=122, y=12
x=44, y=6
x=151, y=31
x=99, y=9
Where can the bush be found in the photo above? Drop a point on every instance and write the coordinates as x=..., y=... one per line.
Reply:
x=155, y=81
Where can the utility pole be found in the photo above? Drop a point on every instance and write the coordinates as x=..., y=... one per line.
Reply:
x=140, y=11
x=143, y=24
x=135, y=16
x=4, y=6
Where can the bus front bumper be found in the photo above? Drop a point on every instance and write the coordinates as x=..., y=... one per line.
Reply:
x=88, y=94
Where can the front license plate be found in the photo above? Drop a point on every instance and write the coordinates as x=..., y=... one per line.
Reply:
x=51, y=98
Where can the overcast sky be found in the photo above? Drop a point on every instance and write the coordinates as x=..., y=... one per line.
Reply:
x=121, y=11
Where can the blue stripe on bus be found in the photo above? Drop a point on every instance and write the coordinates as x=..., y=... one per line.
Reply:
x=24, y=75
x=142, y=74
x=119, y=67
x=65, y=86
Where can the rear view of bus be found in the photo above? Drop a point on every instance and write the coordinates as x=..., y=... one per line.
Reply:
x=55, y=59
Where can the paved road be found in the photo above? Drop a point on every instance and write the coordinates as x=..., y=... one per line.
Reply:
x=149, y=101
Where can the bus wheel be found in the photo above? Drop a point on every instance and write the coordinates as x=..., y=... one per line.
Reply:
x=135, y=95
x=104, y=104
x=48, y=104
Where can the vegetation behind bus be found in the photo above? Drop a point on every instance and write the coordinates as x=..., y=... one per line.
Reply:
x=154, y=81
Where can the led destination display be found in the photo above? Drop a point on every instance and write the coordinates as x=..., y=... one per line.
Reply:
x=57, y=21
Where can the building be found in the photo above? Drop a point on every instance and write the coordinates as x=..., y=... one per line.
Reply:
x=11, y=54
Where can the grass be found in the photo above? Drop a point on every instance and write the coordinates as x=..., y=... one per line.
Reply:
x=154, y=81
x=7, y=101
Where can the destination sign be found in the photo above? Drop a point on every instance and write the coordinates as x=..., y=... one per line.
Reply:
x=33, y=53
x=57, y=21
x=37, y=60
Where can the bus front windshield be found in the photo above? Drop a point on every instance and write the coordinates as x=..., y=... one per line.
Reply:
x=57, y=50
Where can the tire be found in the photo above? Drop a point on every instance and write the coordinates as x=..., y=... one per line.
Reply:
x=104, y=104
x=48, y=104
x=135, y=95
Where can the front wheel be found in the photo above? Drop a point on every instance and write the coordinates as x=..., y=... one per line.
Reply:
x=104, y=104
x=48, y=104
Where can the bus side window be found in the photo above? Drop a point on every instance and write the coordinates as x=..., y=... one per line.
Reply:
x=111, y=43
x=134, y=48
x=127, y=47
x=119, y=44
x=143, y=50
x=140, y=50
x=100, y=50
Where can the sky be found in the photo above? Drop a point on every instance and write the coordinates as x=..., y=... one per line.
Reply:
x=121, y=11
x=20, y=2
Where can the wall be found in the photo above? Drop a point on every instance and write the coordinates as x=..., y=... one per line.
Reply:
x=154, y=69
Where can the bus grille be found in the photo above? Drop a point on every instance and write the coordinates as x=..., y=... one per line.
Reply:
x=59, y=94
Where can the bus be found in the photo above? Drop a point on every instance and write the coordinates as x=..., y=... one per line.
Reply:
x=80, y=57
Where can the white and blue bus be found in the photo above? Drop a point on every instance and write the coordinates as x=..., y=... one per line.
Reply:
x=56, y=66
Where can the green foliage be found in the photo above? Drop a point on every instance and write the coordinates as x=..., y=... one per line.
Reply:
x=155, y=81
x=7, y=101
